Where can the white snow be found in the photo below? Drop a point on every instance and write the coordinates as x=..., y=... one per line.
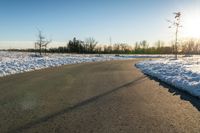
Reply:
x=183, y=73
x=18, y=62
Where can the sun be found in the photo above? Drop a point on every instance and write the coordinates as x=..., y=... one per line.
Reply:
x=191, y=25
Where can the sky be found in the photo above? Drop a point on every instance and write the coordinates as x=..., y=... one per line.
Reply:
x=125, y=21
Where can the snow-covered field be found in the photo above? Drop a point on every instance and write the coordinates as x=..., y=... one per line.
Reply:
x=183, y=73
x=18, y=62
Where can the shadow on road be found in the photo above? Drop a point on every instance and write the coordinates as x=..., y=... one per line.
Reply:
x=69, y=109
x=175, y=91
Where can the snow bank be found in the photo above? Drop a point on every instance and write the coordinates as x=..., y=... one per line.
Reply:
x=18, y=62
x=183, y=73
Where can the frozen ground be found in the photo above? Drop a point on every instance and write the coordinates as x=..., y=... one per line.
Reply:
x=17, y=62
x=183, y=73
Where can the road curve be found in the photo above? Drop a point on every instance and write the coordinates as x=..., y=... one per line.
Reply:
x=104, y=97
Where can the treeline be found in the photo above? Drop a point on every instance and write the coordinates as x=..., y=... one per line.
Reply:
x=91, y=46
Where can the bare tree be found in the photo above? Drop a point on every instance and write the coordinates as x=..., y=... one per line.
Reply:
x=176, y=24
x=91, y=44
x=41, y=43
x=190, y=46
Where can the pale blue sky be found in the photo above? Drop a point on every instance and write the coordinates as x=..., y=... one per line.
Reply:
x=124, y=20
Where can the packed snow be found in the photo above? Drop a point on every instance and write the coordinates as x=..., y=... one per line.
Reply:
x=183, y=73
x=18, y=62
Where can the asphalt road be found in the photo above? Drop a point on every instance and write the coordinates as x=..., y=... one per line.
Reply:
x=105, y=97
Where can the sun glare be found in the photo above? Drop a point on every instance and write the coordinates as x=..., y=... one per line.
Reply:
x=191, y=25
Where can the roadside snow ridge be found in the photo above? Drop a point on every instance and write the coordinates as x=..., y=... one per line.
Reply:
x=183, y=73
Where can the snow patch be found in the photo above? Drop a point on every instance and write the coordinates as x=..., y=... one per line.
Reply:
x=19, y=62
x=183, y=73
